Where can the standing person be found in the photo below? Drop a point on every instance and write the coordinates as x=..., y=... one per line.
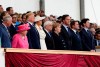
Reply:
x=66, y=31
x=4, y=13
x=86, y=36
x=49, y=39
x=4, y=33
x=76, y=39
x=58, y=39
x=33, y=35
x=97, y=38
x=1, y=9
x=42, y=34
x=10, y=10
x=24, y=18
x=20, y=39
x=13, y=27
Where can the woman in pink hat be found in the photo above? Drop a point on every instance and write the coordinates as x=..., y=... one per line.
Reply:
x=20, y=39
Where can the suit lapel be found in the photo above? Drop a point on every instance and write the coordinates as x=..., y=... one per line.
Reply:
x=65, y=31
x=87, y=33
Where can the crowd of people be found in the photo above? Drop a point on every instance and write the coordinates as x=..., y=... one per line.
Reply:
x=35, y=30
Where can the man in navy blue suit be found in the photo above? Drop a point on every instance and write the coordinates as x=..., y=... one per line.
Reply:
x=4, y=33
x=33, y=35
x=76, y=40
x=86, y=36
x=65, y=31
x=12, y=28
x=49, y=39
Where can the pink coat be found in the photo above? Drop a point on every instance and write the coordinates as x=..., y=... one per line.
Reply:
x=18, y=42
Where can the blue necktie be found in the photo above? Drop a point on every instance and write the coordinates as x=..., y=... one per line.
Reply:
x=89, y=33
x=49, y=34
x=77, y=33
x=69, y=31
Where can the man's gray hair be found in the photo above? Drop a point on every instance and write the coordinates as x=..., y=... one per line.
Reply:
x=7, y=18
x=48, y=23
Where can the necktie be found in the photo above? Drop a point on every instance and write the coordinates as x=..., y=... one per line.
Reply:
x=77, y=33
x=35, y=29
x=49, y=34
x=89, y=33
x=69, y=31
x=8, y=32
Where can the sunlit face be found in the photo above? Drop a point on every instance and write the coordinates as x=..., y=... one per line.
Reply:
x=67, y=20
x=39, y=22
x=76, y=26
x=24, y=19
x=58, y=29
x=24, y=33
x=49, y=27
x=9, y=22
x=87, y=24
x=14, y=19
x=31, y=18
x=1, y=9
x=11, y=11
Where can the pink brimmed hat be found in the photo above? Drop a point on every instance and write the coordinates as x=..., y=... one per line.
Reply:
x=23, y=27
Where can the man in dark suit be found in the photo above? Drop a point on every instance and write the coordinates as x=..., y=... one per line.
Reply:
x=66, y=31
x=4, y=33
x=86, y=36
x=76, y=40
x=49, y=39
x=10, y=10
x=33, y=35
x=97, y=38
x=12, y=28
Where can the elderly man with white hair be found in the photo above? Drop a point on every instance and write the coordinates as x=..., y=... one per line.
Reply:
x=4, y=34
x=49, y=39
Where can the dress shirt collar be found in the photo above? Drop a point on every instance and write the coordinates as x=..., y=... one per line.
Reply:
x=74, y=31
x=86, y=28
x=30, y=23
x=4, y=25
x=65, y=25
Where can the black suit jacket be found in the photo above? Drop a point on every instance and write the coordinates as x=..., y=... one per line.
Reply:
x=67, y=37
x=12, y=31
x=76, y=41
x=49, y=41
x=87, y=40
x=59, y=42
x=5, y=38
x=33, y=38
